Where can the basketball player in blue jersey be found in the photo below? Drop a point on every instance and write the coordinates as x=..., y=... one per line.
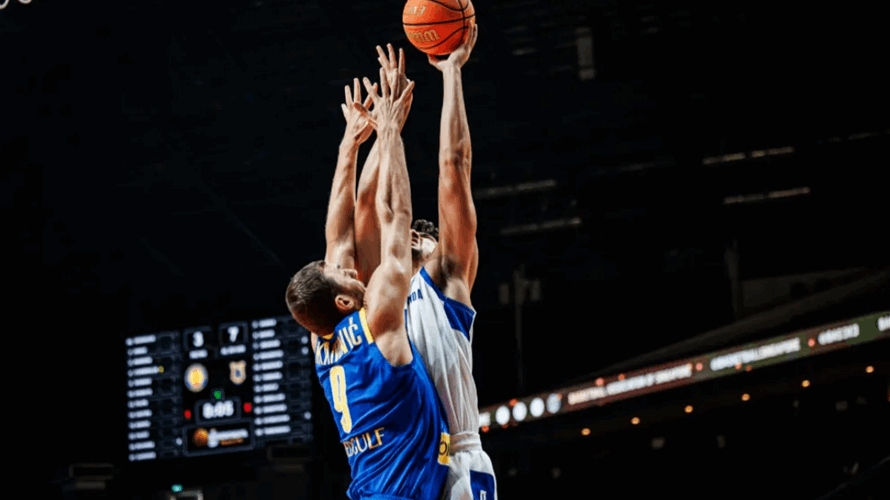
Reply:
x=439, y=313
x=384, y=403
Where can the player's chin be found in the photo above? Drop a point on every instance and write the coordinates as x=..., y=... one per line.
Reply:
x=416, y=254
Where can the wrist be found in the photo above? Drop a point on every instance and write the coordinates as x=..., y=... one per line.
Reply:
x=451, y=69
x=349, y=145
x=388, y=131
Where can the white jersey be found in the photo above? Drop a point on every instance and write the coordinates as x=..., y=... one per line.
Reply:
x=441, y=330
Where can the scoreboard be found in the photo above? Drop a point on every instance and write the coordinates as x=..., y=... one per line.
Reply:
x=215, y=389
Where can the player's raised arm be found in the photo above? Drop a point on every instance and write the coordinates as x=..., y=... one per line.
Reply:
x=458, y=253
x=367, y=227
x=339, y=225
x=388, y=288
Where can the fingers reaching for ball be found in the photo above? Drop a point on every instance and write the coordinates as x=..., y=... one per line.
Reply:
x=390, y=107
x=394, y=68
x=365, y=113
x=358, y=127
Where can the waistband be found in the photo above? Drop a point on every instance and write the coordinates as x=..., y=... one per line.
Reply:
x=465, y=441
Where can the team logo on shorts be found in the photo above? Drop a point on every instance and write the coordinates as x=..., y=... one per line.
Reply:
x=444, y=448
x=238, y=372
x=196, y=377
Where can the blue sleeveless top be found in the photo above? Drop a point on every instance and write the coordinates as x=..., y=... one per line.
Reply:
x=390, y=419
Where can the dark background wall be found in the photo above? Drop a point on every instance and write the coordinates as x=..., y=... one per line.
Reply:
x=167, y=164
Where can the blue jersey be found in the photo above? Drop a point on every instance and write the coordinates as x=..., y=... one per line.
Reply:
x=390, y=418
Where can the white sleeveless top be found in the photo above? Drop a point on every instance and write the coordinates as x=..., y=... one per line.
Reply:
x=441, y=329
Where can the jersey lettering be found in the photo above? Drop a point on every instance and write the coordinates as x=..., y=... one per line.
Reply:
x=364, y=442
x=334, y=348
x=415, y=295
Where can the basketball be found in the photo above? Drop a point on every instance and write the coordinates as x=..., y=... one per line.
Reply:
x=438, y=27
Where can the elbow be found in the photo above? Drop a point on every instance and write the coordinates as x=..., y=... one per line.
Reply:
x=454, y=161
x=401, y=272
x=389, y=209
x=457, y=153
x=389, y=214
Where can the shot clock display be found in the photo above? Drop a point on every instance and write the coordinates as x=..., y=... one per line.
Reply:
x=215, y=389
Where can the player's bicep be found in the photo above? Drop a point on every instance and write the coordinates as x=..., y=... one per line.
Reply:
x=388, y=291
x=386, y=295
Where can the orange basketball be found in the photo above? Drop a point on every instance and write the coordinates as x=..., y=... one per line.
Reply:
x=438, y=26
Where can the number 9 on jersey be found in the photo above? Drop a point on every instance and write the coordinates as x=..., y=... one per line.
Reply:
x=338, y=389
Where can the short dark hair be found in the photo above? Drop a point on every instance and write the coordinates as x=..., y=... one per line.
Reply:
x=426, y=227
x=311, y=299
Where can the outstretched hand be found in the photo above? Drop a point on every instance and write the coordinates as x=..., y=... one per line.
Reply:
x=358, y=127
x=390, y=107
x=395, y=70
x=460, y=55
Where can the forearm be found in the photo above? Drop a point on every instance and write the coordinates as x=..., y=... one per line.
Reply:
x=457, y=213
x=367, y=227
x=339, y=225
x=393, y=198
x=454, y=135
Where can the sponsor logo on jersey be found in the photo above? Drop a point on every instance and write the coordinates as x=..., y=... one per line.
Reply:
x=364, y=442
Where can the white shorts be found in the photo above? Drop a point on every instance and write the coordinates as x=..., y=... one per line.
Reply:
x=470, y=472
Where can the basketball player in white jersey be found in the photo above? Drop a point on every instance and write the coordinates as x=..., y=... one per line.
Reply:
x=439, y=312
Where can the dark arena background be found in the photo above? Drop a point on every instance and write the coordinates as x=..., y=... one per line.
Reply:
x=683, y=274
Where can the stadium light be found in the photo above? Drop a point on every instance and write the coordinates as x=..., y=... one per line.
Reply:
x=805, y=383
x=688, y=409
x=502, y=416
x=869, y=369
x=635, y=421
x=537, y=407
x=746, y=396
x=520, y=410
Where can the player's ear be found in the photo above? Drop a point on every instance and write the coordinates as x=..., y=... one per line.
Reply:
x=345, y=303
